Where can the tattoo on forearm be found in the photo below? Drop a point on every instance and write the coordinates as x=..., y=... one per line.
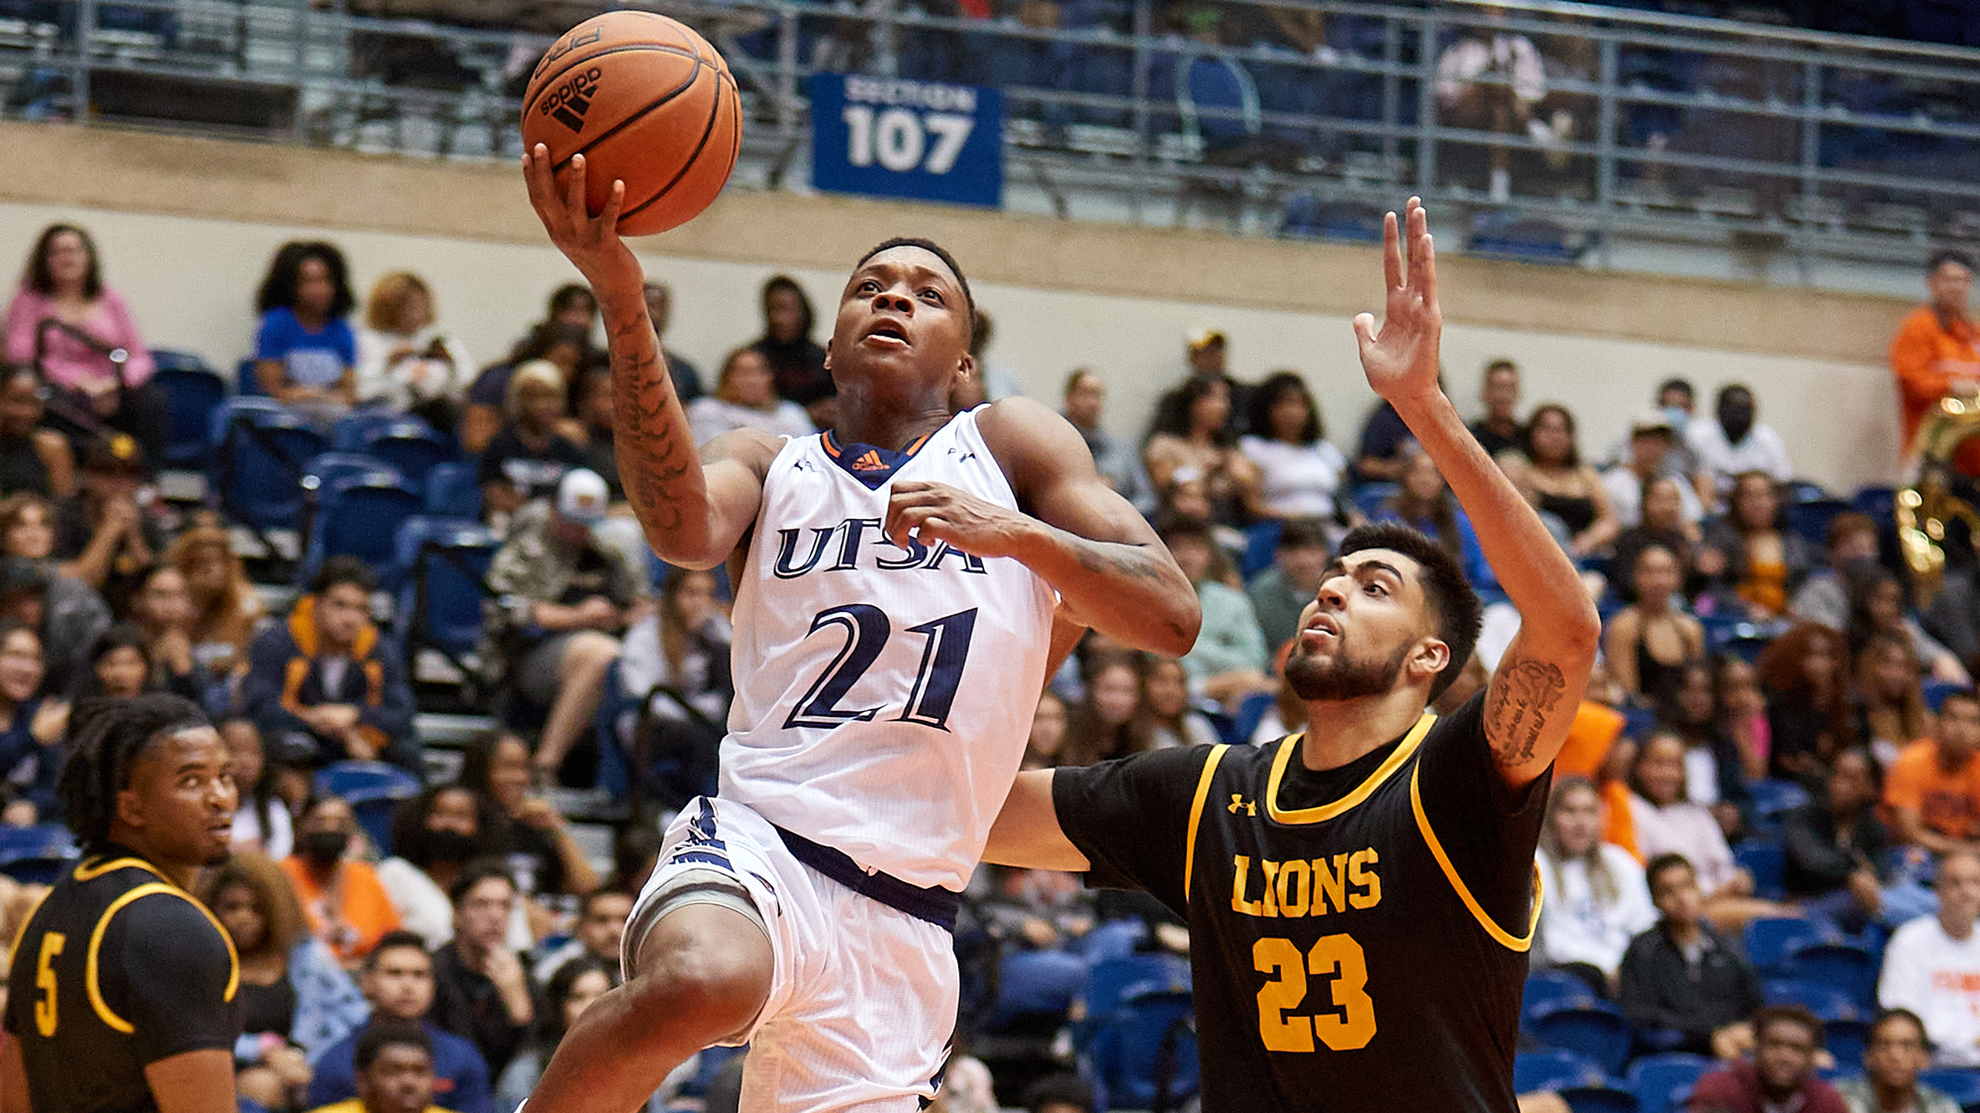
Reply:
x=1524, y=696
x=654, y=451
x=1116, y=559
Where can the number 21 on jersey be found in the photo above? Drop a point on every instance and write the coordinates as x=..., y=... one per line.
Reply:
x=935, y=682
x=1280, y=1027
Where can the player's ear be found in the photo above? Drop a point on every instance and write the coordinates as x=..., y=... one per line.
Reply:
x=1432, y=656
x=130, y=807
x=966, y=366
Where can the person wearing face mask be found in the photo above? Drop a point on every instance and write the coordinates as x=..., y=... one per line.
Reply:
x=436, y=834
x=346, y=905
x=1734, y=444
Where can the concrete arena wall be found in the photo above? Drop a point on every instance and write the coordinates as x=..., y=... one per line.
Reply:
x=186, y=227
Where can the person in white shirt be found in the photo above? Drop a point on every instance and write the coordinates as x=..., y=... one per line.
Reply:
x=403, y=359
x=1300, y=471
x=1667, y=822
x=746, y=398
x=1651, y=440
x=1597, y=900
x=1932, y=964
x=1733, y=445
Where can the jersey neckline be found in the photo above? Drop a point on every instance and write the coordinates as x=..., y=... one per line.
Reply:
x=871, y=464
x=1283, y=759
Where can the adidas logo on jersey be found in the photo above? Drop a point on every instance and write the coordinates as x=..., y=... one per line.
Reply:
x=572, y=99
x=869, y=461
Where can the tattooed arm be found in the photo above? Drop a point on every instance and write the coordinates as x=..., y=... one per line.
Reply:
x=1533, y=696
x=1079, y=536
x=694, y=507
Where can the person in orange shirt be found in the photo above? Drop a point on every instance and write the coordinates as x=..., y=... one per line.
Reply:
x=1937, y=349
x=1933, y=788
x=346, y=905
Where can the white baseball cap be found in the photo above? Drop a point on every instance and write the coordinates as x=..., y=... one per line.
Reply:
x=582, y=496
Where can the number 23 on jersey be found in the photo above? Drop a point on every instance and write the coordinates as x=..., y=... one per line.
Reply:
x=1283, y=1029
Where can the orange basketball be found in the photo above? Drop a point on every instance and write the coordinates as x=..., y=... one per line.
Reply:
x=645, y=100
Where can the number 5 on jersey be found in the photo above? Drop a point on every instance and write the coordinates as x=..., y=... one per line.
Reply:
x=1283, y=1030
x=866, y=627
x=44, y=980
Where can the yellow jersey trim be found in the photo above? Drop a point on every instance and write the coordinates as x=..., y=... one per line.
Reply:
x=1499, y=935
x=93, y=868
x=93, y=983
x=1362, y=791
x=1196, y=813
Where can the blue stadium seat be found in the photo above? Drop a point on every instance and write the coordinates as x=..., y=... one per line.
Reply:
x=1768, y=864
x=1261, y=542
x=37, y=855
x=1113, y=939
x=1144, y=1056
x=260, y=450
x=355, y=429
x=1770, y=798
x=1826, y=1002
x=440, y=596
x=412, y=446
x=371, y=788
x=1112, y=982
x=1879, y=504
x=1369, y=497
x=453, y=491
x=1936, y=691
x=1552, y=1069
x=1772, y=940
x=1594, y=1030
x=1037, y=985
x=1547, y=988
x=359, y=516
x=1218, y=100
x=1846, y=966
x=192, y=392
x=1662, y=1082
x=1810, y=520
x=1961, y=1085
x=1845, y=1038
x=1249, y=714
x=1525, y=239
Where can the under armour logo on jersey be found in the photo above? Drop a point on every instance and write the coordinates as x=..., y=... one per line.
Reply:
x=1240, y=804
x=869, y=461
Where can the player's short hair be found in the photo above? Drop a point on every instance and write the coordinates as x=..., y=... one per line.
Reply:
x=476, y=872
x=1658, y=866
x=1788, y=1014
x=937, y=250
x=107, y=737
x=1682, y=386
x=389, y=1033
x=395, y=941
x=1456, y=607
x=1886, y=1016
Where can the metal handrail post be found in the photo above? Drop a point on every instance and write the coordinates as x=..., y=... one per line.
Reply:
x=85, y=47
x=1391, y=91
x=1426, y=106
x=1811, y=166
x=787, y=61
x=1605, y=148
x=1144, y=60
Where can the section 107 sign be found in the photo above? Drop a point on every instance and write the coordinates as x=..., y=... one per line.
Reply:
x=915, y=139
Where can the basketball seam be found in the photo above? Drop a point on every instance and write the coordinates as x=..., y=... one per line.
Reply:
x=635, y=117
x=657, y=48
x=707, y=130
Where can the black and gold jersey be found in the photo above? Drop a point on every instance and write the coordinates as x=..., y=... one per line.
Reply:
x=117, y=969
x=1358, y=936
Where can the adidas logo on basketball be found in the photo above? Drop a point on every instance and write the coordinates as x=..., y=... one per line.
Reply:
x=569, y=103
x=869, y=461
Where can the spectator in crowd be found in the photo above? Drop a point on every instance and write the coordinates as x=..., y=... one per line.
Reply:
x=262, y=823
x=1190, y=442
x=161, y=607
x=529, y=456
x=295, y=999
x=1651, y=441
x=1282, y=591
x=226, y=607
x=61, y=609
x=1684, y=988
x=1932, y=964
x=68, y=325
x=1299, y=473
x=1804, y=676
x=30, y=745
x=1649, y=641
x=1386, y=444
x=746, y=398
x=1895, y=1052
x=481, y=991
x=434, y=836
x=1492, y=79
x=1713, y=775
x=600, y=928
x=1781, y=1074
x=1424, y=502
x=403, y=360
x=1757, y=560
x=1498, y=429
x=1115, y=457
x=1890, y=703
x=1554, y=478
x=1743, y=716
x=1208, y=353
x=34, y=459
x=1663, y=525
x=560, y=600
x=105, y=538
x=1734, y=445
x=1102, y=725
x=1851, y=546
x=118, y=664
x=797, y=363
x=539, y=844
x=1876, y=606
x=573, y=306
x=660, y=310
x=675, y=662
x=341, y=896
x=326, y=684
x=1933, y=789
x=565, y=345
x=1936, y=352
x=397, y=979
x=305, y=353
x=1598, y=898
x=1167, y=718
x=594, y=413
x=1836, y=850
x=394, y=1071
x=1047, y=739
x=570, y=990
x=1669, y=823
x=1230, y=660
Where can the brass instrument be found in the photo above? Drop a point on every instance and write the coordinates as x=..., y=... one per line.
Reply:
x=1948, y=450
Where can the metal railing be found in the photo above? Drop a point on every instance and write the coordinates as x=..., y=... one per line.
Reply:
x=1561, y=131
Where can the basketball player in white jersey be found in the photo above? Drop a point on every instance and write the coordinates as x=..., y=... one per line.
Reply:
x=895, y=588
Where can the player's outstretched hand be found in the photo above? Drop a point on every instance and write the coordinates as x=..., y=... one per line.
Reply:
x=939, y=512
x=1400, y=358
x=591, y=243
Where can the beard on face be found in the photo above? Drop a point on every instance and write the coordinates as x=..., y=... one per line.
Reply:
x=1345, y=677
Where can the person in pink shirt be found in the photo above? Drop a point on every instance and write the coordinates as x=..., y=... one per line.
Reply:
x=80, y=334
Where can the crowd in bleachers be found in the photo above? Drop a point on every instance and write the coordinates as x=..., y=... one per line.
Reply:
x=1769, y=801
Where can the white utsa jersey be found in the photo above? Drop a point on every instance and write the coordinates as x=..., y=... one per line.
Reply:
x=883, y=695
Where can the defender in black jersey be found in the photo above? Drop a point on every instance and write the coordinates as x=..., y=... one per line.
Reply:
x=123, y=985
x=1361, y=897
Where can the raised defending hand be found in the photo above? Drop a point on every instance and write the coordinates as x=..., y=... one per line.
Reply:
x=591, y=243
x=1400, y=359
